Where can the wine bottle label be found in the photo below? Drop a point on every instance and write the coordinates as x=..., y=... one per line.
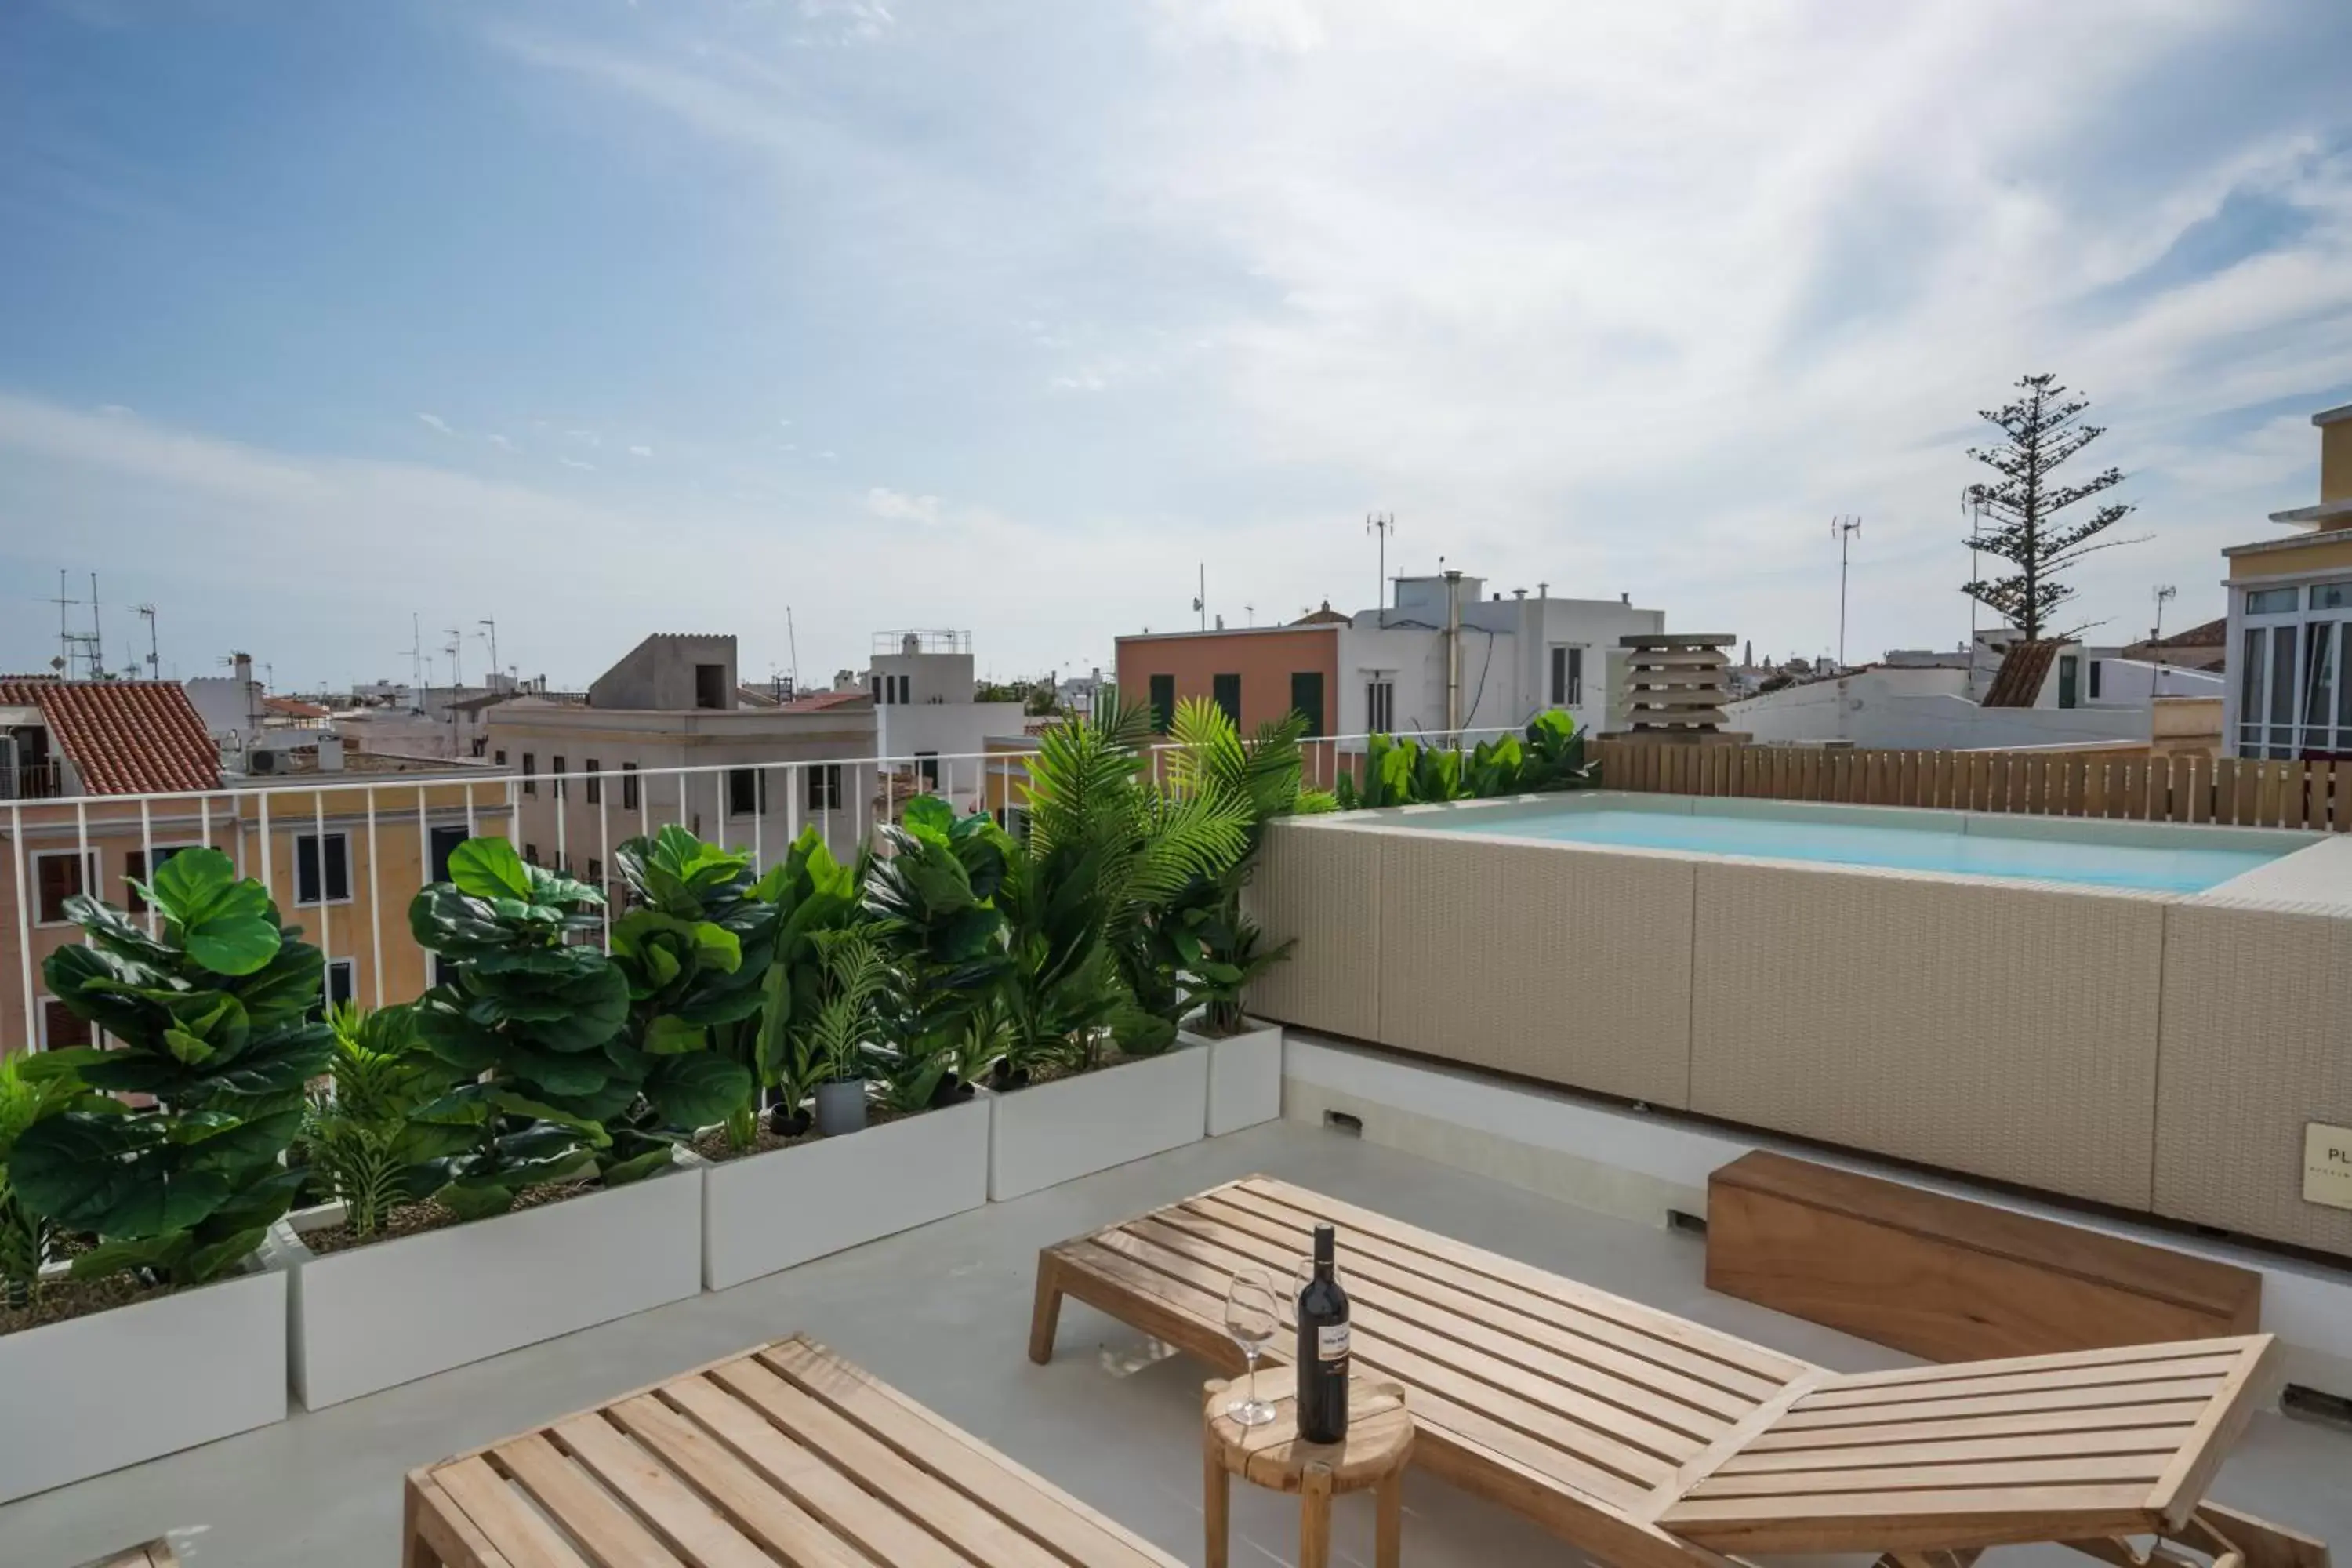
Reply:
x=1331, y=1341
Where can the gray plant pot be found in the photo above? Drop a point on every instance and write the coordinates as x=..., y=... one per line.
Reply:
x=841, y=1107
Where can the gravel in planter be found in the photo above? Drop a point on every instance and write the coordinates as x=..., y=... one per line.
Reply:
x=61, y=1300
x=712, y=1145
x=415, y=1219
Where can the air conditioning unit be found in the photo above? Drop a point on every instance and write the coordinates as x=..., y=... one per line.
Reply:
x=261, y=760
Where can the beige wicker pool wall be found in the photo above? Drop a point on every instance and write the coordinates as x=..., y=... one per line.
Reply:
x=2159, y=1052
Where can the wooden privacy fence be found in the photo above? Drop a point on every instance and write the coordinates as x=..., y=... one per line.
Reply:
x=2238, y=791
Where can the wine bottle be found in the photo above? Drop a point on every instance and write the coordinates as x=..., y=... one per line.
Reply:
x=1323, y=1358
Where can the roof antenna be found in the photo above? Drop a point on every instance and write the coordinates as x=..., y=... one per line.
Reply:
x=64, y=633
x=154, y=663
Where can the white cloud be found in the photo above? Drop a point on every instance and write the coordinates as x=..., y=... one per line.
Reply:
x=116, y=410
x=499, y=441
x=576, y=463
x=896, y=506
x=641, y=451
x=434, y=422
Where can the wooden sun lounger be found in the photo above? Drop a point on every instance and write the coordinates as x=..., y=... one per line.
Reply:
x=1645, y=1439
x=786, y=1453
x=156, y=1553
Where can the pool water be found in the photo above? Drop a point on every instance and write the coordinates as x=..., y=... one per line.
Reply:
x=2184, y=870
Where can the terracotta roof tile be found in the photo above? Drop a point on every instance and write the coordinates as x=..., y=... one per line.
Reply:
x=293, y=708
x=123, y=737
x=819, y=701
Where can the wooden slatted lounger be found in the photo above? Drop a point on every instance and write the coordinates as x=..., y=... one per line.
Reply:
x=1650, y=1441
x=786, y=1453
x=156, y=1553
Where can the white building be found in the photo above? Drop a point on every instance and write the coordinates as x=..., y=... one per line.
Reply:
x=922, y=683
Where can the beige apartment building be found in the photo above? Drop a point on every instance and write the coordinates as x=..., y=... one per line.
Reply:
x=2290, y=623
x=667, y=735
x=102, y=781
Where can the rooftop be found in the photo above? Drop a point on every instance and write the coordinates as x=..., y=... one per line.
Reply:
x=824, y=701
x=1114, y=1419
x=123, y=737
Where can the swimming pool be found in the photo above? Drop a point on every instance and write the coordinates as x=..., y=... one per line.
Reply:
x=1946, y=845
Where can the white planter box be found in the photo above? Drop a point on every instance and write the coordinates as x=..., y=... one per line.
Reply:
x=1244, y=1076
x=771, y=1211
x=392, y=1312
x=92, y=1395
x=1055, y=1133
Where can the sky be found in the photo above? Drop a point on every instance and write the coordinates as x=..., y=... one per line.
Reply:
x=809, y=318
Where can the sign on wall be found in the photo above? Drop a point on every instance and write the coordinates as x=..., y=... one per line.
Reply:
x=2327, y=1164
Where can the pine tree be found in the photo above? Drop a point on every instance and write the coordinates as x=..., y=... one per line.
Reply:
x=2043, y=430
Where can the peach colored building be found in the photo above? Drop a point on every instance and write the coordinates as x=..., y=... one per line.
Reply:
x=1256, y=674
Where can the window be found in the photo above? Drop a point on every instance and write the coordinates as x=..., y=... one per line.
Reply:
x=874, y=687
x=596, y=872
x=747, y=791
x=1225, y=691
x=1380, y=707
x=2096, y=666
x=556, y=771
x=1163, y=703
x=499, y=756
x=711, y=686
x=338, y=982
x=2069, y=667
x=135, y=869
x=530, y=854
x=2270, y=601
x=906, y=689
x=530, y=772
x=1307, y=697
x=61, y=1030
x=628, y=786
x=2331, y=595
x=595, y=782
x=444, y=844
x=1567, y=676
x=1015, y=820
x=338, y=868
x=824, y=788
x=2318, y=679
x=62, y=874
x=927, y=768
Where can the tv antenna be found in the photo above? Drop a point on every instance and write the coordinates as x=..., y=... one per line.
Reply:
x=492, y=624
x=1843, y=529
x=1201, y=599
x=457, y=661
x=792, y=641
x=64, y=633
x=1383, y=524
x=1975, y=501
x=154, y=661
x=2164, y=594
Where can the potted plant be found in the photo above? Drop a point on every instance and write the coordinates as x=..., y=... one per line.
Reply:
x=548, y=1100
x=1104, y=851
x=1212, y=947
x=861, y=985
x=156, y=1327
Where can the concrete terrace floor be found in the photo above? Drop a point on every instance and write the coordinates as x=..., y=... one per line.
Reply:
x=942, y=1313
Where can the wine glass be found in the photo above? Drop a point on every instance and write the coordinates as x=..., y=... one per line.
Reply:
x=1251, y=1317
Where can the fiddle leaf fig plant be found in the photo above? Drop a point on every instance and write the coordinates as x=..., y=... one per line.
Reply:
x=933, y=895
x=531, y=1026
x=211, y=1016
x=811, y=894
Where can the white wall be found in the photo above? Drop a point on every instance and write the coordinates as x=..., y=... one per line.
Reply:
x=949, y=728
x=1505, y=660
x=1923, y=710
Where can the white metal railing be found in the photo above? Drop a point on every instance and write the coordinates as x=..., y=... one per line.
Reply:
x=361, y=831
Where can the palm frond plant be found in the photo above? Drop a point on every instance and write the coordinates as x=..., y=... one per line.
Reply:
x=694, y=945
x=211, y=1017
x=1106, y=851
x=935, y=898
x=370, y=1146
x=533, y=1024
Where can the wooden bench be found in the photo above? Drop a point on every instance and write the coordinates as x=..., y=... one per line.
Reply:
x=785, y=1453
x=156, y=1553
x=1950, y=1279
x=1649, y=1441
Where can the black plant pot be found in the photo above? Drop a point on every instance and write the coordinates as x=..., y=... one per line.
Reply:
x=787, y=1120
x=949, y=1090
x=1007, y=1077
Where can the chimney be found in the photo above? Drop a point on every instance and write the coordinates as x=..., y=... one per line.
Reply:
x=1452, y=651
x=331, y=753
x=1543, y=590
x=1624, y=598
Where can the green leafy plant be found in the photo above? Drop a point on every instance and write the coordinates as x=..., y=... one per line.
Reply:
x=211, y=1017
x=697, y=942
x=1405, y=772
x=533, y=1024
x=853, y=975
x=808, y=893
x=25, y=1237
x=1209, y=949
x=1555, y=755
x=369, y=1143
x=1105, y=853
x=933, y=895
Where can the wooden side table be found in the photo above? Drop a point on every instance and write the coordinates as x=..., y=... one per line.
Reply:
x=1379, y=1441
